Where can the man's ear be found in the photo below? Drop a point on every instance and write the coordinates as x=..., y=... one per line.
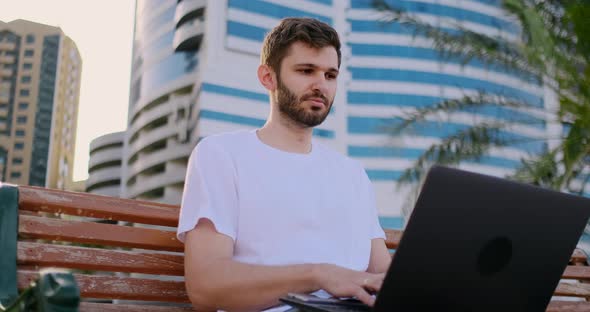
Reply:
x=267, y=77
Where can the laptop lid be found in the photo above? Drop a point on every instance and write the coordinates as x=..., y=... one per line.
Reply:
x=480, y=243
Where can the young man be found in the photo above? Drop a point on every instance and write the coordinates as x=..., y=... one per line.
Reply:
x=271, y=211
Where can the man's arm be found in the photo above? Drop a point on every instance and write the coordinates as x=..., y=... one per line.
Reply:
x=215, y=281
x=380, y=257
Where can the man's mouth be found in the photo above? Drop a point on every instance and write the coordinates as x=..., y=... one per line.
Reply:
x=317, y=102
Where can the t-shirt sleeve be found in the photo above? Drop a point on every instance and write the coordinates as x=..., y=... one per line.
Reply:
x=209, y=190
x=375, y=229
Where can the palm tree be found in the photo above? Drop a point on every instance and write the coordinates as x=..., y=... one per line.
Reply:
x=554, y=51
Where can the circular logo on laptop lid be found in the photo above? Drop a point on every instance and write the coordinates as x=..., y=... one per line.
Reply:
x=494, y=256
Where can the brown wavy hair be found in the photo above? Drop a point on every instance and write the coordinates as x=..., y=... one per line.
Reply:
x=310, y=31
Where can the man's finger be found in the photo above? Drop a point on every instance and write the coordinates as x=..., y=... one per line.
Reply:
x=362, y=295
x=374, y=285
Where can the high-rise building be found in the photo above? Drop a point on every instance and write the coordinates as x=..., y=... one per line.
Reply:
x=163, y=81
x=194, y=74
x=40, y=71
x=104, y=165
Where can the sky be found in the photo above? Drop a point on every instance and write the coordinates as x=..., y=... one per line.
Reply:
x=103, y=33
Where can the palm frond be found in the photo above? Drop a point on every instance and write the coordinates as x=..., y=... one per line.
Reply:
x=468, y=144
x=463, y=44
x=581, y=189
x=575, y=148
x=468, y=103
x=541, y=171
x=554, y=53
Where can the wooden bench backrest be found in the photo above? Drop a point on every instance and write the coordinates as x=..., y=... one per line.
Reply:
x=51, y=234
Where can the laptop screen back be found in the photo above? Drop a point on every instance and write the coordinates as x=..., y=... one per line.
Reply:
x=480, y=243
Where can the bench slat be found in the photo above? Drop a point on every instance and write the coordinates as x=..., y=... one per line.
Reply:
x=107, y=307
x=392, y=238
x=98, y=233
x=71, y=257
x=116, y=287
x=96, y=206
x=577, y=272
x=579, y=257
x=568, y=306
x=575, y=290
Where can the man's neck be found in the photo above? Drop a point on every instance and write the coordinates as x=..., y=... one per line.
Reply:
x=286, y=136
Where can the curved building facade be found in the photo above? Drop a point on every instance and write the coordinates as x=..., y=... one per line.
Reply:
x=164, y=71
x=393, y=72
x=385, y=71
x=104, y=165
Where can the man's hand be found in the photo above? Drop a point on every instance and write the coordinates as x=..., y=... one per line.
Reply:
x=342, y=282
x=211, y=274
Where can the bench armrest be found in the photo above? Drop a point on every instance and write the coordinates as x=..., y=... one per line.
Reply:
x=54, y=291
x=8, y=240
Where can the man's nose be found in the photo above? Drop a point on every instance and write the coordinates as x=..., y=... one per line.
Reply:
x=320, y=84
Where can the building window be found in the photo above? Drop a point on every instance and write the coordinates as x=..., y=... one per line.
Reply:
x=29, y=52
x=19, y=146
x=21, y=119
x=15, y=174
x=23, y=105
x=20, y=133
x=25, y=79
x=10, y=37
x=30, y=38
x=17, y=161
x=27, y=65
x=24, y=92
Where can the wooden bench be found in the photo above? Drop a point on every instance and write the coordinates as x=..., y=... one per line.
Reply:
x=114, y=258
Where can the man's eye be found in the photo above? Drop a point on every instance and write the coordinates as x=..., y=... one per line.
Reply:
x=306, y=71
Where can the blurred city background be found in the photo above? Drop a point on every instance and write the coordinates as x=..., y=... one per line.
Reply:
x=491, y=86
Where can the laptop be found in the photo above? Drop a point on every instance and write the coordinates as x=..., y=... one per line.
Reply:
x=477, y=243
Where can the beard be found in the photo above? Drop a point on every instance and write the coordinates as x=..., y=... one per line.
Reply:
x=291, y=107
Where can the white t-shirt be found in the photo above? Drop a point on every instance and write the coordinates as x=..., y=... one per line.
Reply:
x=281, y=208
